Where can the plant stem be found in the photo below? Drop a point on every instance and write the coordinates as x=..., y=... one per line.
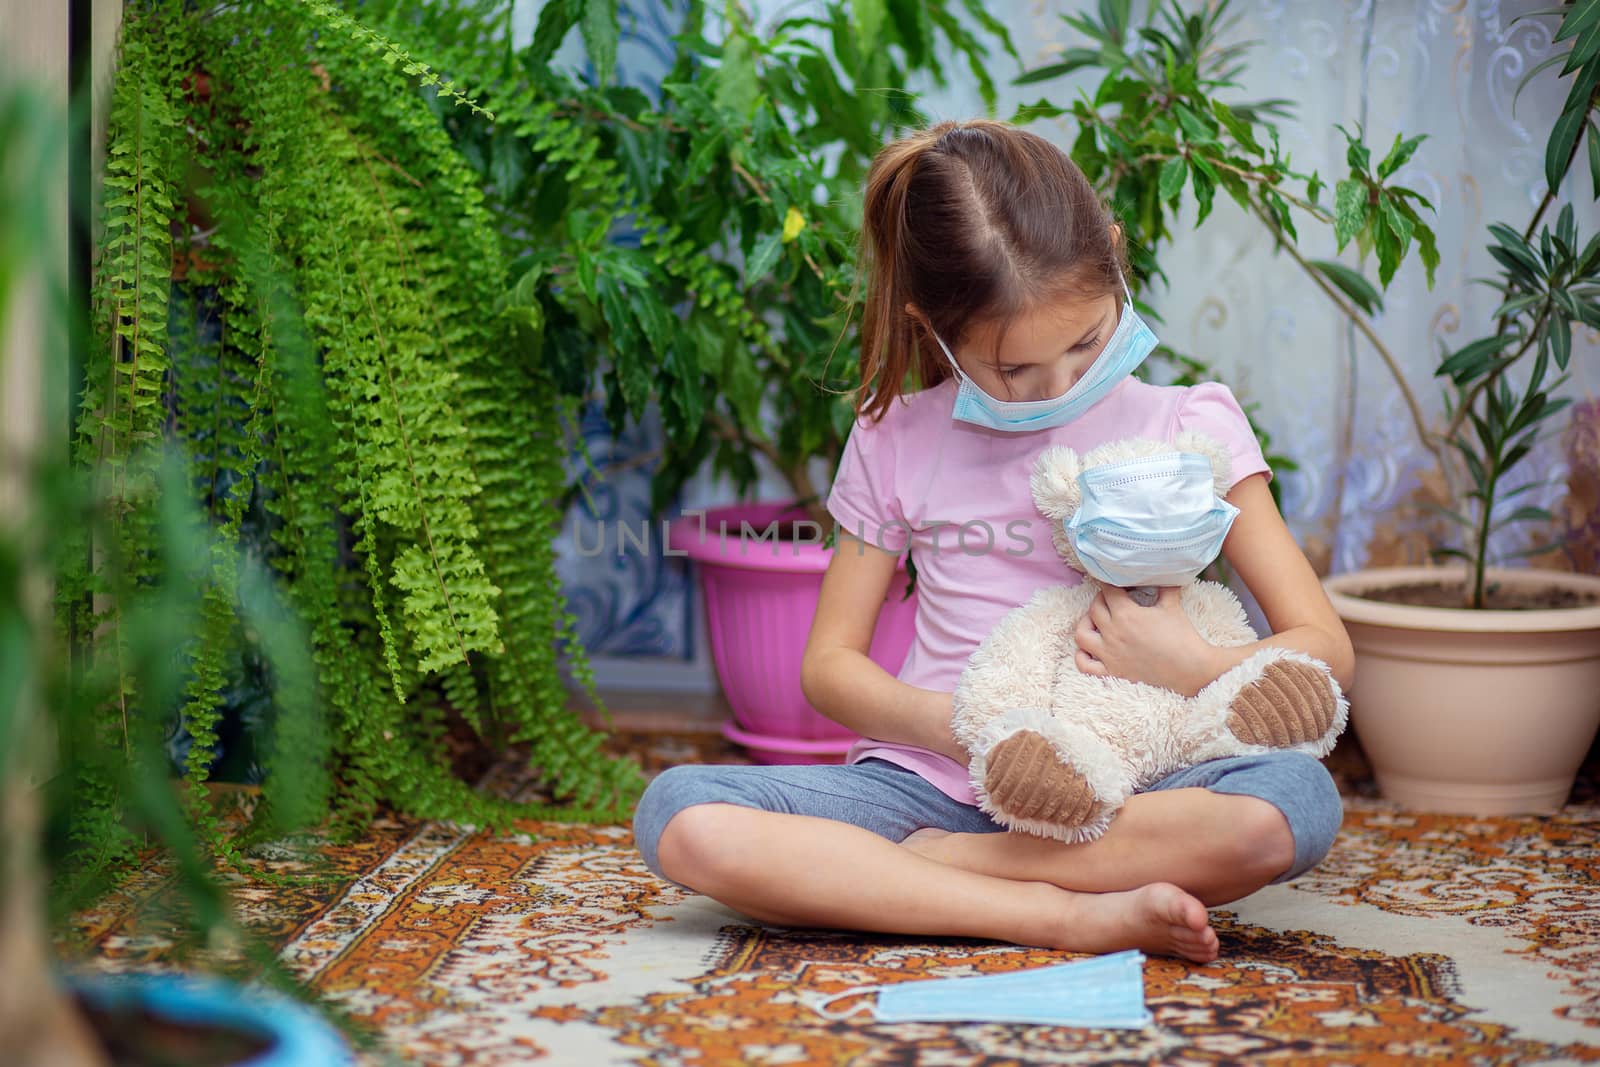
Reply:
x=1493, y=376
x=1248, y=175
x=796, y=474
x=1480, y=545
x=807, y=495
x=755, y=184
x=1361, y=323
x=1260, y=179
x=1480, y=550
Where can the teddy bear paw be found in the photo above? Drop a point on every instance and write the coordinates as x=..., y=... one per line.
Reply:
x=1291, y=703
x=1026, y=780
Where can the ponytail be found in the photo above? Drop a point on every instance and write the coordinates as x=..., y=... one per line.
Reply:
x=889, y=336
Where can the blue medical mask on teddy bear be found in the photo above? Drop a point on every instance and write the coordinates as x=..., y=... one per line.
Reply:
x=1131, y=342
x=1149, y=521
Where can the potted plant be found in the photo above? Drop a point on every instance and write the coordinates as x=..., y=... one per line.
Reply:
x=1478, y=687
x=296, y=440
x=60, y=780
x=692, y=249
x=202, y=1022
x=292, y=278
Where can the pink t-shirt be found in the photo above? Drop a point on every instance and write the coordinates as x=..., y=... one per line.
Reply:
x=960, y=493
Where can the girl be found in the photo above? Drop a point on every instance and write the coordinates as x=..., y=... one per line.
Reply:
x=996, y=275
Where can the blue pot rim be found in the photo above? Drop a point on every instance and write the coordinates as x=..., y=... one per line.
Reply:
x=300, y=1037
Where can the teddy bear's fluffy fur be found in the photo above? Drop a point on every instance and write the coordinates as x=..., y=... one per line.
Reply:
x=1056, y=752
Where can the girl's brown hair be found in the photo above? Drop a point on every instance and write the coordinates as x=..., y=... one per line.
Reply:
x=970, y=222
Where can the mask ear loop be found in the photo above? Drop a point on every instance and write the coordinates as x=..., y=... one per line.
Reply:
x=865, y=1005
x=954, y=366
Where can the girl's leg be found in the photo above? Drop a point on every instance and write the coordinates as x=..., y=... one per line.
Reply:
x=803, y=869
x=800, y=870
x=1221, y=831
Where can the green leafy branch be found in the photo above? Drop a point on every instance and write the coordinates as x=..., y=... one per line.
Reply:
x=732, y=313
x=1155, y=125
x=335, y=20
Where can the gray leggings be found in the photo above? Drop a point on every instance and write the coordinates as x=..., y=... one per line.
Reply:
x=892, y=801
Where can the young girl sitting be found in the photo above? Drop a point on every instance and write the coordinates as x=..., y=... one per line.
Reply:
x=995, y=275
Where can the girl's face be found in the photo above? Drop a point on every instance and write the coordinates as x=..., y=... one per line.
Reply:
x=1044, y=352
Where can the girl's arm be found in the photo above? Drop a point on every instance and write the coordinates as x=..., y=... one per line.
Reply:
x=841, y=680
x=1158, y=645
x=1263, y=553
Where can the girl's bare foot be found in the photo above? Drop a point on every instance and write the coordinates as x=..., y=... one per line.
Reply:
x=1159, y=918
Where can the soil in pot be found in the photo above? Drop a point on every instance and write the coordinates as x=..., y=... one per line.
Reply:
x=1452, y=594
x=140, y=1038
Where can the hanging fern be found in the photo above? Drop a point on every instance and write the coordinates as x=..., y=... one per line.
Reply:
x=356, y=417
x=416, y=286
x=123, y=414
x=451, y=244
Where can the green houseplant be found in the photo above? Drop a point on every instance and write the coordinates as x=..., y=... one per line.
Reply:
x=292, y=419
x=694, y=251
x=694, y=248
x=78, y=802
x=731, y=302
x=291, y=284
x=1154, y=126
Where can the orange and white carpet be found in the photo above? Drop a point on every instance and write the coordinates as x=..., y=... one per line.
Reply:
x=1420, y=938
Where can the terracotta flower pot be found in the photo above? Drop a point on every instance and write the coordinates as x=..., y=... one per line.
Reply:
x=1473, y=712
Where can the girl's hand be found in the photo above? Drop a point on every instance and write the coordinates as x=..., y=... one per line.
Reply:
x=1157, y=645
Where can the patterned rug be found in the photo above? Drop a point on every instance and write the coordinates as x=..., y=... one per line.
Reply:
x=1420, y=938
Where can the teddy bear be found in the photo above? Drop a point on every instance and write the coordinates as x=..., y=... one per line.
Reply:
x=1055, y=752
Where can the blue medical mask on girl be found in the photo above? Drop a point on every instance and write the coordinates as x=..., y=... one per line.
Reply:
x=1107, y=991
x=1130, y=343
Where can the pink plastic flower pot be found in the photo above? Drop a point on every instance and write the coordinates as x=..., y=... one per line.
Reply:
x=760, y=597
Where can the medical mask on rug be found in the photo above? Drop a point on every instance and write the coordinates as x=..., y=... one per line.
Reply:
x=1130, y=343
x=1107, y=991
x=1149, y=521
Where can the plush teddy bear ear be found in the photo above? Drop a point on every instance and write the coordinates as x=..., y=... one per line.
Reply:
x=1055, y=482
x=1215, y=451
